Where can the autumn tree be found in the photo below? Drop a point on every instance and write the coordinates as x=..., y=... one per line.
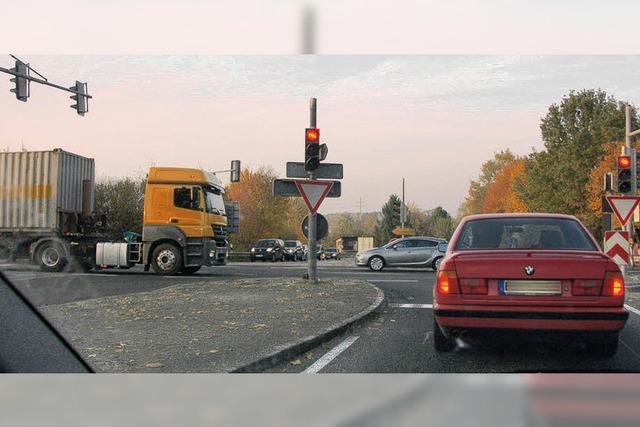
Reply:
x=262, y=215
x=474, y=202
x=576, y=133
x=594, y=189
x=501, y=194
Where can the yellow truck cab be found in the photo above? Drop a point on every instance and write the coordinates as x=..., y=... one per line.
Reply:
x=184, y=223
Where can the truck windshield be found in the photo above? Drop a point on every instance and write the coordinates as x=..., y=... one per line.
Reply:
x=215, y=203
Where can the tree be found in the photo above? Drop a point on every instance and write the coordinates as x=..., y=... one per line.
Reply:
x=122, y=201
x=388, y=220
x=594, y=190
x=474, y=201
x=576, y=134
x=262, y=215
x=501, y=194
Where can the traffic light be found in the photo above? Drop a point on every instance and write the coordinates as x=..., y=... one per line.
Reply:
x=624, y=174
x=21, y=84
x=397, y=211
x=81, y=102
x=311, y=149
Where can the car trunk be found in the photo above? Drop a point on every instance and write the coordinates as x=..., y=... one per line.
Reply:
x=553, y=276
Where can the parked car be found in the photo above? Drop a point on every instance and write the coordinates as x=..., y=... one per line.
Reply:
x=332, y=253
x=320, y=253
x=517, y=275
x=268, y=249
x=293, y=250
x=305, y=250
x=416, y=251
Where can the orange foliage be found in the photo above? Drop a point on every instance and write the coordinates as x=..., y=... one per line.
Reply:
x=501, y=195
x=594, y=190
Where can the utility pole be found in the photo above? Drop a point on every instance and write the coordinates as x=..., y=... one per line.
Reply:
x=313, y=260
x=402, y=209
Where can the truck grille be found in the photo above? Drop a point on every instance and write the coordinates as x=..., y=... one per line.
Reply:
x=219, y=231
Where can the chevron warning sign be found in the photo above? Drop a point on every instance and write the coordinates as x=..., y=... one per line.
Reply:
x=616, y=245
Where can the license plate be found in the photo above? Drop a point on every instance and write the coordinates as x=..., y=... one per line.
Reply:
x=258, y=255
x=530, y=287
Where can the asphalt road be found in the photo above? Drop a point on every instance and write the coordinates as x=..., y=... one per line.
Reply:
x=400, y=339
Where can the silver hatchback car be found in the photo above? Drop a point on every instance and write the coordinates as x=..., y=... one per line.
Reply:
x=417, y=251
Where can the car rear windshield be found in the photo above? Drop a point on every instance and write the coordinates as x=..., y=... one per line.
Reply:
x=265, y=243
x=524, y=233
x=290, y=244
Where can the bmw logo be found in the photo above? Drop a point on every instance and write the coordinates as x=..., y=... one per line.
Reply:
x=529, y=270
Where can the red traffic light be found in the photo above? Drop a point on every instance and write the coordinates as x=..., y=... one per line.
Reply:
x=312, y=135
x=624, y=162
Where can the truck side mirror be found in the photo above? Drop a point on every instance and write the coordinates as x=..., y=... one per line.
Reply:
x=235, y=170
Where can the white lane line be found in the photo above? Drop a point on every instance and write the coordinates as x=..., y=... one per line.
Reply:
x=411, y=305
x=632, y=286
x=393, y=280
x=328, y=357
x=632, y=309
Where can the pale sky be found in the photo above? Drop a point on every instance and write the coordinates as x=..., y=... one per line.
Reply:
x=343, y=26
x=430, y=119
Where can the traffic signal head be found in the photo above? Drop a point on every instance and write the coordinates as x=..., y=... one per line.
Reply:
x=81, y=101
x=624, y=174
x=311, y=149
x=21, y=88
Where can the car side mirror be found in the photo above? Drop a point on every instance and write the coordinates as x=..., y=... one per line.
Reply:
x=394, y=247
x=442, y=247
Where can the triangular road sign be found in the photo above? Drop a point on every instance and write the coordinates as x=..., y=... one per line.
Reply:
x=313, y=192
x=623, y=206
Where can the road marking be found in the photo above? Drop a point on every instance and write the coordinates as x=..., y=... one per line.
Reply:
x=632, y=286
x=328, y=357
x=393, y=280
x=630, y=349
x=411, y=305
x=632, y=309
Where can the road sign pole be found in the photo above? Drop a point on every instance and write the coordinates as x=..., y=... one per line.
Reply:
x=627, y=143
x=313, y=260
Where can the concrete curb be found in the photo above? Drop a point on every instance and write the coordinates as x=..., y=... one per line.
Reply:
x=291, y=350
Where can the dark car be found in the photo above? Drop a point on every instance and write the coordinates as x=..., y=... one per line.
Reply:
x=520, y=275
x=268, y=249
x=331, y=253
x=293, y=250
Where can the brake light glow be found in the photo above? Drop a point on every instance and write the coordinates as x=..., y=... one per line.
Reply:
x=613, y=284
x=447, y=282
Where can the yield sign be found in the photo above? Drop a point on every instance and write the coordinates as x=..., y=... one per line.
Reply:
x=623, y=206
x=313, y=192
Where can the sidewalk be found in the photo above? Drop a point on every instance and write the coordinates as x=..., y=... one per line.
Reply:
x=210, y=326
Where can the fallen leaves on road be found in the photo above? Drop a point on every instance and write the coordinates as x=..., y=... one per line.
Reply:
x=296, y=362
x=154, y=365
x=259, y=326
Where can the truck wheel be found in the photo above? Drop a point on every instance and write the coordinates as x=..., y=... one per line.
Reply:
x=51, y=257
x=190, y=270
x=166, y=259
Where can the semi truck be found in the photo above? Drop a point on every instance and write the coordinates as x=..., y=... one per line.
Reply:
x=47, y=214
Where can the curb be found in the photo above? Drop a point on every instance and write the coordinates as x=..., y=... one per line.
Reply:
x=307, y=343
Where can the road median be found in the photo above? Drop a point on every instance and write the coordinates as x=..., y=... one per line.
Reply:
x=204, y=326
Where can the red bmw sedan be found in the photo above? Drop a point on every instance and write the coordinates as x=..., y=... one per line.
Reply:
x=523, y=274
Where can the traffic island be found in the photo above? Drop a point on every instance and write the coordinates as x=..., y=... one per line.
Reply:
x=237, y=326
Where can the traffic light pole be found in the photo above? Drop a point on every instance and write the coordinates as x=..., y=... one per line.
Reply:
x=313, y=259
x=42, y=82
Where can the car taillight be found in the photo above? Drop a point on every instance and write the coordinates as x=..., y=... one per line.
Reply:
x=447, y=282
x=613, y=284
x=474, y=286
x=586, y=287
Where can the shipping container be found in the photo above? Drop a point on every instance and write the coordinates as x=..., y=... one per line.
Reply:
x=38, y=187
